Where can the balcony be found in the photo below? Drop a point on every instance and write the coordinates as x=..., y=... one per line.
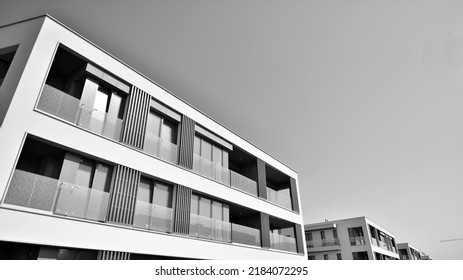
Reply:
x=48, y=194
x=211, y=170
x=279, y=198
x=160, y=148
x=67, y=107
x=404, y=257
x=243, y=183
x=152, y=217
x=283, y=243
x=223, y=175
x=357, y=241
x=383, y=245
x=208, y=228
x=245, y=235
x=80, y=202
x=319, y=245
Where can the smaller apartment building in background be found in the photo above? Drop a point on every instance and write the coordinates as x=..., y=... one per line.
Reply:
x=99, y=162
x=350, y=239
x=409, y=252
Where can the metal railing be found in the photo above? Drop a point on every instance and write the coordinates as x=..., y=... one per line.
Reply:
x=245, y=235
x=208, y=228
x=39, y=192
x=69, y=108
x=160, y=148
x=279, y=198
x=152, y=217
x=281, y=242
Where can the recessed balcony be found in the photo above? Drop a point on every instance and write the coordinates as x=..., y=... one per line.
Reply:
x=71, y=109
x=61, y=198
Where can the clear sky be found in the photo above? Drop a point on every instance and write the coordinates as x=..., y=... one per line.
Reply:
x=362, y=98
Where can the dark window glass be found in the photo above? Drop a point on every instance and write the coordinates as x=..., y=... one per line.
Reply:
x=6, y=57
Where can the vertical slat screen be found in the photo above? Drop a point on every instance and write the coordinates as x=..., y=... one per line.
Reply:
x=123, y=195
x=182, y=210
x=187, y=138
x=113, y=255
x=261, y=179
x=136, y=117
x=293, y=193
x=265, y=230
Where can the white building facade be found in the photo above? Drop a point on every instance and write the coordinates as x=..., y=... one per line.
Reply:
x=350, y=239
x=99, y=162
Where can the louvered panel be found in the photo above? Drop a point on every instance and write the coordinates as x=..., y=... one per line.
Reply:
x=182, y=210
x=113, y=255
x=187, y=138
x=137, y=113
x=123, y=195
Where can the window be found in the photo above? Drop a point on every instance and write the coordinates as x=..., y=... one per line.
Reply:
x=309, y=238
x=102, y=108
x=155, y=192
x=210, y=208
x=210, y=151
x=6, y=57
x=322, y=235
x=85, y=172
x=360, y=255
x=326, y=257
x=356, y=236
x=339, y=256
x=311, y=258
x=161, y=136
x=211, y=160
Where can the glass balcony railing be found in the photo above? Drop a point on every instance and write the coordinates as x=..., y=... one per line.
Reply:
x=245, y=235
x=152, y=217
x=208, y=228
x=243, y=183
x=279, y=198
x=211, y=169
x=356, y=241
x=99, y=122
x=67, y=107
x=281, y=242
x=81, y=202
x=48, y=194
x=160, y=148
x=383, y=245
x=223, y=175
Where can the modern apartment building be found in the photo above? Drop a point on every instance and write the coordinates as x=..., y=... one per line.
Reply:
x=100, y=162
x=350, y=239
x=409, y=252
